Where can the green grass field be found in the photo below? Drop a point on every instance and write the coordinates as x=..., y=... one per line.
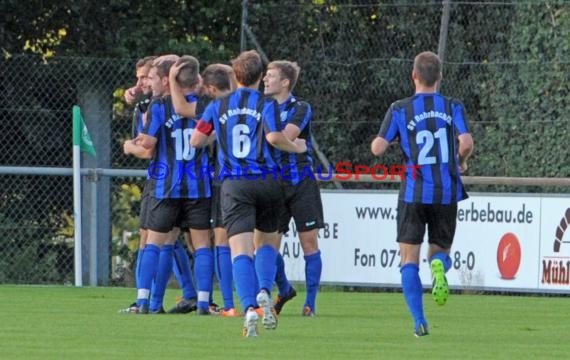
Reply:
x=65, y=322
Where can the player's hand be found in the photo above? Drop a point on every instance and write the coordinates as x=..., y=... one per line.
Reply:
x=132, y=93
x=301, y=145
x=463, y=167
x=126, y=147
x=174, y=70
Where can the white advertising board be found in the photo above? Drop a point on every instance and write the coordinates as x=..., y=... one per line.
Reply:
x=554, y=263
x=497, y=242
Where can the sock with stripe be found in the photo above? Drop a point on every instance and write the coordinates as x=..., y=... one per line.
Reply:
x=204, y=269
x=148, y=267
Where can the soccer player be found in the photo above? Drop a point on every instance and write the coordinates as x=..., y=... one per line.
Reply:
x=142, y=88
x=433, y=134
x=245, y=123
x=178, y=194
x=218, y=80
x=301, y=192
x=181, y=264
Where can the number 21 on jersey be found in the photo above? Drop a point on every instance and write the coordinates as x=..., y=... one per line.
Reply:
x=429, y=139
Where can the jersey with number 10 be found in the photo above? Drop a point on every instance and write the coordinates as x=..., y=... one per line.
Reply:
x=241, y=121
x=427, y=126
x=177, y=170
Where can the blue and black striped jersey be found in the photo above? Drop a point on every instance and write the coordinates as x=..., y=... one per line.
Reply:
x=241, y=121
x=177, y=170
x=293, y=165
x=427, y=126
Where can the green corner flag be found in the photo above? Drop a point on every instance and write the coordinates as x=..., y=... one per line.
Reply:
x=81, y=135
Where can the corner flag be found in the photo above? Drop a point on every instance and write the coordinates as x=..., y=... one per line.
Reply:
x=81, y=135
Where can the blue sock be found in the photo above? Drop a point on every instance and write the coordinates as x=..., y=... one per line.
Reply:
x=280, y=278
x=183, y=271
x=265, y=258
x=148, y=267
x=138, y=267
x=204, y=270
x=244, y=277
x=162, y=277
x=255, y=278
x=445, y=259
x=413, y=291
x=223, y=268
x=313, y=270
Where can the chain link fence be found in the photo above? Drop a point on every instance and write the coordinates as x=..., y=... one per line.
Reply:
x=506, y=61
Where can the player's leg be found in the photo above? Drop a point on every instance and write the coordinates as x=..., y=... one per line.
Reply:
x=143, y=232
x=223, y=269
x=197, y=215
x=313, y=269
x=164, y=270
x=286, y=290
x=238, y=209
x=442, y=220
x=307, y=210
x=411, y=229
x=222, y=255
x=161, y=212
x=269, y=201
x=183, y=268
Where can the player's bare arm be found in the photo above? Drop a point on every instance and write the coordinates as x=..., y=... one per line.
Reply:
x=282, y=142
x=465, y=150
x=130, y=147
x=291, y=131
x=199, y=139
x=181, y=106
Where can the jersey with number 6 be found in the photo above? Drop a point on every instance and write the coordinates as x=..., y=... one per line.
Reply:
x=427, y=126
x=177, y=169
x=241, y=121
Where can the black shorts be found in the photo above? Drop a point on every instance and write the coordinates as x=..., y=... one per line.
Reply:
x=144, y=206
x=164, y=214
x=251, y=204
x=216, y=216
x=440, y=219
x=302, y=202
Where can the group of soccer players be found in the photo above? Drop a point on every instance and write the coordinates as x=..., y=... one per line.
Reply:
x=254, y=135
x=263, y=146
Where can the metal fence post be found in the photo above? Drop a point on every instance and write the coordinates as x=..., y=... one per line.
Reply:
x=96, y=105
x=443, y=33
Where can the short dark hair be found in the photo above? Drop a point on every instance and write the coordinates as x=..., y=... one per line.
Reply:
x=188, y=76
x=248, y=67
x=288, y=69
x=428, y=67
x=218, y=75
x=145, y=61
x=163, y=64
